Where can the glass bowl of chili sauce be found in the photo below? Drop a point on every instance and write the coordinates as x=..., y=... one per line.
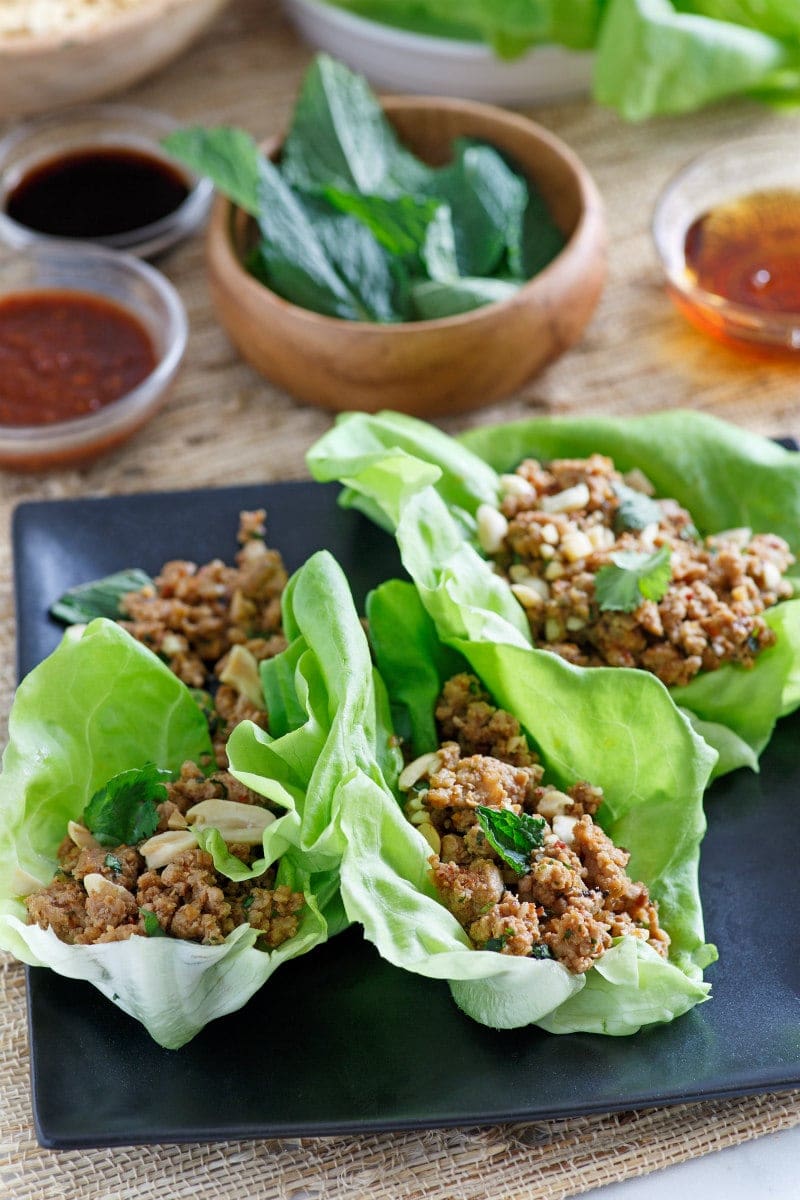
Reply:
x=90, y=341
x=99, y=174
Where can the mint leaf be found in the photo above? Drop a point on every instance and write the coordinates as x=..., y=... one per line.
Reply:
x=100, y=598
x=487, y=200
x=541, y=951
x=513, y=836
x=339, y=137
x=434, y=299
x=228, y=157
x=538, y=239
x=636, y=510
x=123, y=812
x=399, y=224
x=632, y=578
x=291, y=258
x=152, y=925
x=375, y=277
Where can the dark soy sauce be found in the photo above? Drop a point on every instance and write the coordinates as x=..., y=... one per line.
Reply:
x=96, y=193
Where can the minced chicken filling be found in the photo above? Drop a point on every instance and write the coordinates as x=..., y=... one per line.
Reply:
x=108, y=894
x=572, y=894
x=197, y=619
x=560, y=524
x=215, y=623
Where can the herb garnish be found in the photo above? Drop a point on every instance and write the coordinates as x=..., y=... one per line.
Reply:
x=513, y=836
x=499, y=943
x=636, y=510
x=113, y=863
x=100, y=598
x=124, y=811
x=353, y=225
x=152, y=925
x=541, y=951
x=632, y=578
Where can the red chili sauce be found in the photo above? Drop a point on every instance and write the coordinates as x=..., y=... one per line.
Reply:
x=64, y=354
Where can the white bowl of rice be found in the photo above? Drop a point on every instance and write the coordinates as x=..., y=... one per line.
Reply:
x=57, y=52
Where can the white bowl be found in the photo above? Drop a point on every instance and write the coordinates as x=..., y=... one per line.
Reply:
x=398, y=60
x=39, y=73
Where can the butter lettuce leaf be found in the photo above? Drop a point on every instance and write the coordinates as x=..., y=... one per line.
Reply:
x=426, y=487
x=652, y=58
x=98, y=706
x=653, y=806
x=329, y=715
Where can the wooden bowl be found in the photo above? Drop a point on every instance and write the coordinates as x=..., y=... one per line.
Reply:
x=428, y=368
x=39, y=73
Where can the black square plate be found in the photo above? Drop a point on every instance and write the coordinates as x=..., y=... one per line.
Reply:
x=338, y=1041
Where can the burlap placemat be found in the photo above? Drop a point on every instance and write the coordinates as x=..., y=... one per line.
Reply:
x=226, y=425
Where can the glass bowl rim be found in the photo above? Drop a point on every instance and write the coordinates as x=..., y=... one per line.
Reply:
x=143, y=241
x=744, y=315
x=140, y=400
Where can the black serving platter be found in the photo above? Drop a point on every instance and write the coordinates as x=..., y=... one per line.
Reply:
x=338, y=1041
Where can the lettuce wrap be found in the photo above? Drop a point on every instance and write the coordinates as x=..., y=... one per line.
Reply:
x=653, y=806
x=99, y=705
x=427, y=487
x=329, y=712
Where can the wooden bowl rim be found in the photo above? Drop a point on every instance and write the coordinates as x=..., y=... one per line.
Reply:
x=33, y=45
x=222, y=259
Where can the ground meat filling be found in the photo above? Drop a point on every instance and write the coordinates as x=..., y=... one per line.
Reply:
x=574, y=897
x=193, y=617
x=560, y=524
x=103, y=894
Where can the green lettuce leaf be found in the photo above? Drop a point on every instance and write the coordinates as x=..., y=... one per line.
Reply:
x=427, y=487
x=652, y=59
x=98, y=706
x=653, y=806
x=508, y=25
x=329, y=716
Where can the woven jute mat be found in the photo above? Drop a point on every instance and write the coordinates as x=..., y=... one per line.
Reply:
x=225, y=425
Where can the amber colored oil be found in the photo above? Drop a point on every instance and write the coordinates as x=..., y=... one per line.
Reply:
x=746, y=251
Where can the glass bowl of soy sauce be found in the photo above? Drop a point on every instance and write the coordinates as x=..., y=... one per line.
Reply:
x=98, y=174
x=727, y=231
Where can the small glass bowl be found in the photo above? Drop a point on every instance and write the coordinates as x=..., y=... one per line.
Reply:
x=729, y=172
x=137, y=287
x=112, y=126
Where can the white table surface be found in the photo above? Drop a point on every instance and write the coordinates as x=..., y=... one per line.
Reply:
x=766, y=1168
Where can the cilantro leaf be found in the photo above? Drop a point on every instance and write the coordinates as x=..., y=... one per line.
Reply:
x=123, y=812
x=152, y=925
x=100, y=598
x=636, y=510
x=512, y=835
x=631, y=578
x=113, y=863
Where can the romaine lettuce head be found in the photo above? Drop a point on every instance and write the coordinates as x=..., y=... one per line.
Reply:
x=427, y=487
x=101, y=704
x=635, y=744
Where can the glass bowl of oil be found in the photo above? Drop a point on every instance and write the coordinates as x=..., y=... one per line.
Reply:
x=727, y=232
